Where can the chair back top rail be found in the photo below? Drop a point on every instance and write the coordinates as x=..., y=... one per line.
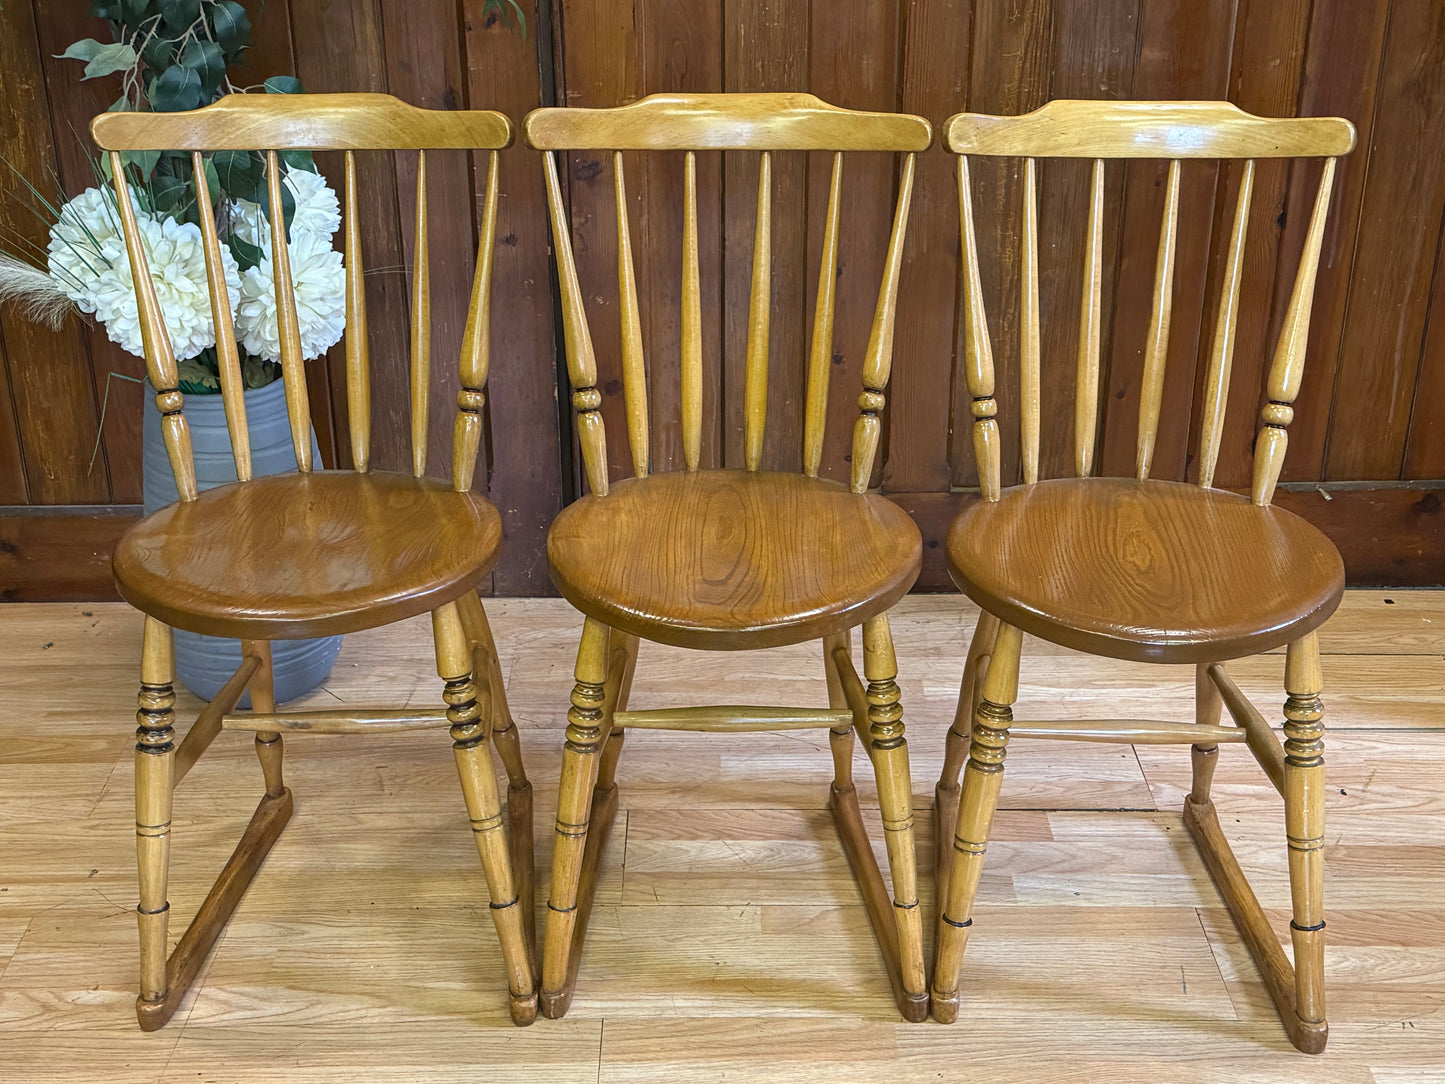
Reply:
x=1069, y=128
x=725, y=122
x=346, y=122
x=1173, y=131
x=312, y=122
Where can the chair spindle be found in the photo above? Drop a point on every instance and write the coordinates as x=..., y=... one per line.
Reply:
x=1289, y=353
x=156, y=342
x=634, y=370
x=755, y=387
x=358, y=368
x=820, y=356
x=978, y=351
x=288, y=327
x=476, y=345
x=1086, y=384
x=420, y=325
x=228, y=356
x=691, y=321
x=581, y=360
x=1156, y=351
x=1029, y=328
x=878, y=357
x=1221, y=352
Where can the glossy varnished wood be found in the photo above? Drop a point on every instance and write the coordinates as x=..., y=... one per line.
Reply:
x=1116, y=129
x=733, y=559
x=1158, y=571
x=378, y=546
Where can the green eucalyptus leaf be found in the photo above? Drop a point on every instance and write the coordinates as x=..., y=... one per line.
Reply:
x=283, y=84
x=300, y=160
x=231, y=26
x=288, y=208
x=256, y=373
x=133, y=13
x=196, y=377
x=101, y=10
x=101, y=59
x=158, y=52
x=120, y=105
x=247, y=255
x=170, y=193
x=207, y=61
x=144, y=162
x=238, y=173
x=213, y=181
x=84, y=49
x=180, y=14
x=175, y=90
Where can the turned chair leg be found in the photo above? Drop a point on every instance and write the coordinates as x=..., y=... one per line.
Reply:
x=895, y=799
x=1304, y=818
x=488, y=670
x=982, y=778
x=469, y=731
x=154, y=787
x=585, y=738
x=263, y=700
x=945, y=795
x=840, y=738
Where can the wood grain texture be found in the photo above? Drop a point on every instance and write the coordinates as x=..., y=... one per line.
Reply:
x=1156, y=571
x=378, y=547
x=732, y=559
x=60, y=555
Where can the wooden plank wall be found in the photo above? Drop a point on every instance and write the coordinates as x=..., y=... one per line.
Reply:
x=1367, y=448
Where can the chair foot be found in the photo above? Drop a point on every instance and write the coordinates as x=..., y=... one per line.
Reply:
x=200, y=937
x=945, y=1008
x=523, y=1007
x=848, y=818
x=603, y=815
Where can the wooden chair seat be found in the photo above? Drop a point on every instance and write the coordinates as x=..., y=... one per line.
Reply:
x=733, y=559
x=307, y=554
x=1154, y=571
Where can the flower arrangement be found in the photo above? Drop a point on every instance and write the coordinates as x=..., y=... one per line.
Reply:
x=174, y=55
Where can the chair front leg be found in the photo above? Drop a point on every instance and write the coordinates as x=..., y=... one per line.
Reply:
x=154, y=787
x=1304, y=818
x=470, y=733
x=955, y=748
x=982, y=778
x=895, y=799
x=585, y=738
x=263, y=701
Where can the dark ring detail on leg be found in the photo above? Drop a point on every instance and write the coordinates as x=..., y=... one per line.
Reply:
x=965, y=924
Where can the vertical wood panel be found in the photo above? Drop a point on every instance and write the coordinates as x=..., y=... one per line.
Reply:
x=852, y=63
x=1094, y=53
x=526, y=483
x=1390, y=281
x=1268, y=65
x=600, y=64
x=1342, y=76
x=1184, y=51
x=424, y=67
x=12, y=468
x=766, y=49
x=1425, y=452
x=72, y=103
x=680, y=46
x=1009, y=73
x=341, y=47
x=50, y=377
x=935, y=81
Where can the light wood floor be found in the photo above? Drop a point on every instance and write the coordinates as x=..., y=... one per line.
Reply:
x=728, y=940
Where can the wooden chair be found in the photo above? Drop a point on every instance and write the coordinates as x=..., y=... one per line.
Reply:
x=1141, y=569
x=316, y=552
x=730, y=559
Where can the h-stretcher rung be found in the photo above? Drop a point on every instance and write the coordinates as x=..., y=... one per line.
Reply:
x=360, y=721
x=1132, y=731
x=208, y=724
x=1261, y=738
x=733, y=718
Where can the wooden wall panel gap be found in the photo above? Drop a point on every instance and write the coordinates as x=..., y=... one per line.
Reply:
x=12, y=454
x=1425, y=443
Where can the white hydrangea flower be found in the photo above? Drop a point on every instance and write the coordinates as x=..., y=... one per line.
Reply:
x=318, y=211
x=176, y=260
x=319, y=280
x=76, y=256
